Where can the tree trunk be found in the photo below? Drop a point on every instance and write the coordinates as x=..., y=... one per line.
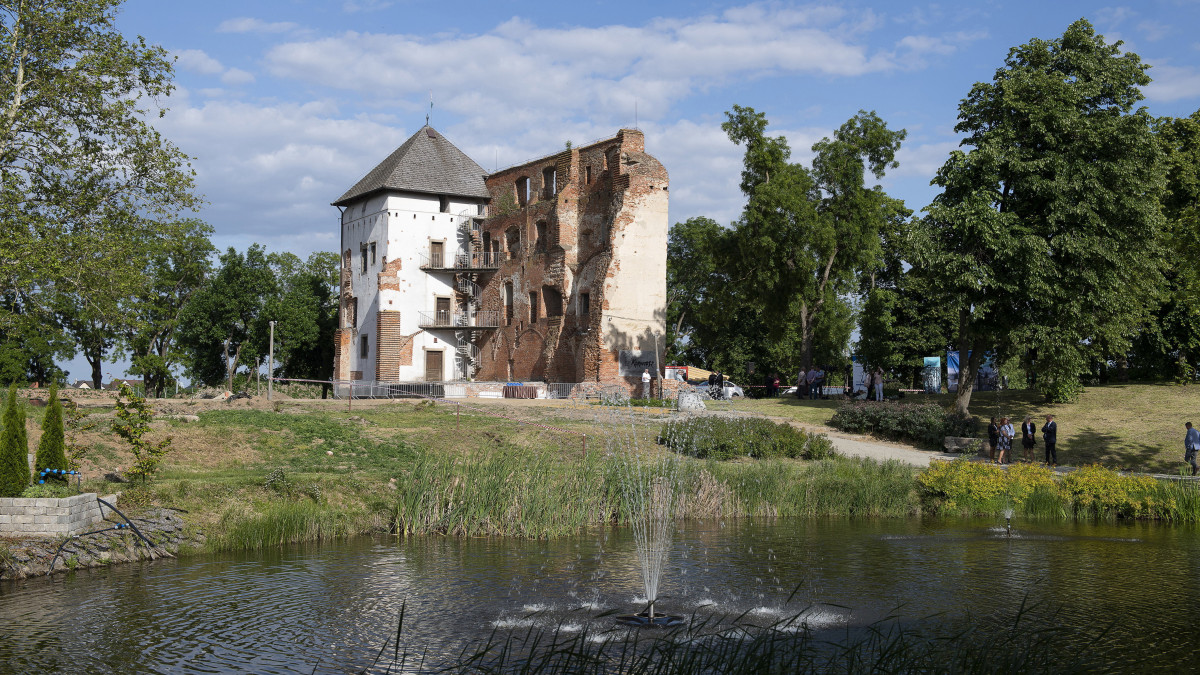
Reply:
x=970, y=355
x=231, y=366
x=806, y=339
x=97, y=375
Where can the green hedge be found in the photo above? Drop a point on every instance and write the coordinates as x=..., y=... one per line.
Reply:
x=925, y=424
x=727, y=438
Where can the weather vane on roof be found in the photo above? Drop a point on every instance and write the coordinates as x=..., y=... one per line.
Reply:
x=430, y=113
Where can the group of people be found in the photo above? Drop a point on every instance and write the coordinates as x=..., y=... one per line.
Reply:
x=1001, y=435
x=809, y=384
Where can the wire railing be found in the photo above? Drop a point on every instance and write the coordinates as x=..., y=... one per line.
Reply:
x=448, y=319
x=475, y=260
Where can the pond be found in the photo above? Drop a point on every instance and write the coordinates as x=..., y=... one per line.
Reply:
x=331, y=608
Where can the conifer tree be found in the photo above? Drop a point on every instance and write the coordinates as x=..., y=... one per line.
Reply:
x=14, y=449
x=51, y=452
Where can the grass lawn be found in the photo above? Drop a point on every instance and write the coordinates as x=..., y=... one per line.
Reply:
x=1125, y=426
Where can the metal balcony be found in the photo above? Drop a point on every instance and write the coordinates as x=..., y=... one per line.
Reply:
x=487, y=319
x=478, y=261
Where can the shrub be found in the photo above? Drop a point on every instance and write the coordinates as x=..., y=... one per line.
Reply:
x=14, y=449
x=51, y=450
x=1100, y=491
x=53, y=490
x=962, y=486
x=131, y=424
x=726, y=438
x=924, y=424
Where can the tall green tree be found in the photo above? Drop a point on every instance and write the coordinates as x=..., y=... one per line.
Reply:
x=14, y=449
x=177, y=266
x=51, y=449
x=304, y=308
x=220, y=327
x=806, y=236
x=79, y=162
x=1170, y=343
x=1045, y=237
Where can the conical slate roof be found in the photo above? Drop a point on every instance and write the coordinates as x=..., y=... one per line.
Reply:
x=427, y=163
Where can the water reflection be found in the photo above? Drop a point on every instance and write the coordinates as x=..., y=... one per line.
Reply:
x=330, y=608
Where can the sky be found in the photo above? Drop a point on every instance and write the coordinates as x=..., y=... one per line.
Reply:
x=285, y=104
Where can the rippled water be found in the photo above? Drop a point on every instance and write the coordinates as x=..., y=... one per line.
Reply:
x=331, y=608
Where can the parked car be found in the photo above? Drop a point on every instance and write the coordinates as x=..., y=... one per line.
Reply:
x=732, y=391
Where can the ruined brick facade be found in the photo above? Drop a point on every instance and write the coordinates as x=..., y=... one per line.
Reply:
x=583, y=237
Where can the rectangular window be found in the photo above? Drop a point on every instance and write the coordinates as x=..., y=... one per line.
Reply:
x=587, y=174
x=444, y=204
x=372, y=253
x=363, y=251
x=549, y=183
x=533, y=307
x=585, y=303
x=364, y=348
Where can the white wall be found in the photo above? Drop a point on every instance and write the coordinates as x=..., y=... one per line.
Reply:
x=402, y=225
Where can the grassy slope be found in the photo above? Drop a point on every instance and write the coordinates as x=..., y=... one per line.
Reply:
x=357, y=463
x=1127, y=426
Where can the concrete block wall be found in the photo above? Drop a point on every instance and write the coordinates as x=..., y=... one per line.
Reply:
x=46, y=517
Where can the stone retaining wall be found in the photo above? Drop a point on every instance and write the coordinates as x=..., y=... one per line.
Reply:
x=49, y=517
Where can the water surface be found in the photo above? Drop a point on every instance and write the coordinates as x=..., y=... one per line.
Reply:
x=330, y=608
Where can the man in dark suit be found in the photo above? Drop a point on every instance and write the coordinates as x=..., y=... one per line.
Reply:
x=1050, y=435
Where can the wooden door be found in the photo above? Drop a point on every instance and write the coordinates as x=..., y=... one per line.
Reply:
x=436, y=249
x=443, y=311
x=433, y=366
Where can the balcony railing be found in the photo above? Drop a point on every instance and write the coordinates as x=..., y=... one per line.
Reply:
x=446, y=319
x=478, y=260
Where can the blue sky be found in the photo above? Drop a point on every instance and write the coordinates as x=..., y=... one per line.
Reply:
x=286, y=103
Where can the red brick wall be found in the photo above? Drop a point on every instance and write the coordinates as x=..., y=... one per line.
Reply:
x=581, y=220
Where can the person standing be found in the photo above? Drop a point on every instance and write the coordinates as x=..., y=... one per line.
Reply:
x=1006, y=438
x=1050, y=437
x=993, y=440
x=878, y=374
x=720, y=395
x=812, y=382
x=774, y=385
x=802, y=384
x=646, y=383
x=1191, y=443
x=1028, y=438
x=712, y=382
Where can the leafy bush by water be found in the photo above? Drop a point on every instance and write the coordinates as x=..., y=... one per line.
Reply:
x=925, y=424
x=720, y=438
x=963, y=487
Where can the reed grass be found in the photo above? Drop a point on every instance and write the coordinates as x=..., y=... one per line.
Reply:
x=276, y=524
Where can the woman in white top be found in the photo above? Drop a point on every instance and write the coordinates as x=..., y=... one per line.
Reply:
x=878, y=383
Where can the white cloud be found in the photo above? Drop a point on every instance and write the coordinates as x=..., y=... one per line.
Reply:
x=235, y=76
x=197, y=60
x=538, y=73
x=1172, y=83
x=269, y=172
x=366, y=5
x=1154, y=30
x=247, y=24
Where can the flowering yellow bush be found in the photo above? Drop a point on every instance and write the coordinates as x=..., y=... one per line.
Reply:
x=1095, y=488
x=961, y=485
x=1023, y=479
